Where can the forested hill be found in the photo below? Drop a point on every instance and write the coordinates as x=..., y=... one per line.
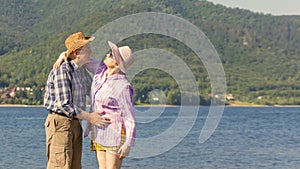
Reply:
x=260, y=53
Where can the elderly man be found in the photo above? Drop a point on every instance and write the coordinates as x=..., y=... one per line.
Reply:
x=65, y=99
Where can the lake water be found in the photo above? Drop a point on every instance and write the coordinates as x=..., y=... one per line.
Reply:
x=246, y=137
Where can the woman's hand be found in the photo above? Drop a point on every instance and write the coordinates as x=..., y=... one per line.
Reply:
x=62, y=58
x=123, y=151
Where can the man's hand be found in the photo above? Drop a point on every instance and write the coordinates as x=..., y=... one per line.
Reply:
x=87, y=130
x=96, y=119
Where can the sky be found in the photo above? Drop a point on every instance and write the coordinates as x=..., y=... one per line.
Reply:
x=274, y=7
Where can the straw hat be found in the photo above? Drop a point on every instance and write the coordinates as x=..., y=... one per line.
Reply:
x=123, y=56
x=76, y=41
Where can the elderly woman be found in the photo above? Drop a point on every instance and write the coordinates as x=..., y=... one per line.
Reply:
x=112, y=93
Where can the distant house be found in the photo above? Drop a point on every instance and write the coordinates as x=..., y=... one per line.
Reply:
x=155, y=98
x=9, y=93
x=222, y=96
x=259, y=97
x=229, y=97
x=5, y=96
x=24, y=89
x=12, y=92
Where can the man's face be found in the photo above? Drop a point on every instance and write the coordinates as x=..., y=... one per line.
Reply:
x=84, y=54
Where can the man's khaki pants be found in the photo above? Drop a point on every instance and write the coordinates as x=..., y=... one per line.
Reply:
x=63, y=142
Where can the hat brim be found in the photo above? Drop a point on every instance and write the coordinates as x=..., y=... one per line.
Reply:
x=116, y=53
x=80, y=44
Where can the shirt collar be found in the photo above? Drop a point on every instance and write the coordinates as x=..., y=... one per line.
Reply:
x=115, y=76
x=74, y=65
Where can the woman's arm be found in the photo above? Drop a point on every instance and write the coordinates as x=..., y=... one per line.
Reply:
x=128, y=115
x=92, y=65
x=129, y=121
x=62, y=58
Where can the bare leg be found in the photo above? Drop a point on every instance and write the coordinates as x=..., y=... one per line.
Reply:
x=101, y=158
x=112, y=160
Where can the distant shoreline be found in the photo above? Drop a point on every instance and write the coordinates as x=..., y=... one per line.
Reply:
x=237, y=105
x=229, y=105
x=19, y=105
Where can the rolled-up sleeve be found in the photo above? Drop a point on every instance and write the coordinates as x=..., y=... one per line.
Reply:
x=92, y=65
x=128, y=118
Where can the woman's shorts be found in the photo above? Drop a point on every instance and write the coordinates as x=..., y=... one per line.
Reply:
x=98, y=147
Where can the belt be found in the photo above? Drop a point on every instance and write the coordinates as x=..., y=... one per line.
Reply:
x=61, y=114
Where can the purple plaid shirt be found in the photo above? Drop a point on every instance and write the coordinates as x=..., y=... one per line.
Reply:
x=66, y=89
x=114, y=95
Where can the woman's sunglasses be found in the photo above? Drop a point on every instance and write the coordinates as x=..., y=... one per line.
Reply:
x=110, y=56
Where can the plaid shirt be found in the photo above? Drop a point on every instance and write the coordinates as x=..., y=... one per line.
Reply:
x=66, y=89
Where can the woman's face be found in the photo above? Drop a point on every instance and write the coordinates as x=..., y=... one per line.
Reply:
x=110, y=61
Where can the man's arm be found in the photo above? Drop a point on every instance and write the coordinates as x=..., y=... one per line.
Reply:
x=94, y=118
x=63, y=93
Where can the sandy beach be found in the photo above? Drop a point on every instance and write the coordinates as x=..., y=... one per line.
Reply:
x=229, y=105
x=19, y=105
